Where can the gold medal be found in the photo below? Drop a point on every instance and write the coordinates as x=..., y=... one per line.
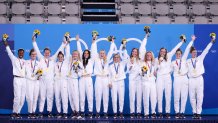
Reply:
x=194, y=71
x=116, y=75
x=150, y=75
x=46, y=69
x=32, y=75
x=85, y=71
x=70, y=73
x=179, y=72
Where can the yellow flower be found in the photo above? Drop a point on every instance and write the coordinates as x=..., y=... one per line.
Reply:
x=144, y=68
x=5, y=36
x=182, y=37
x=94, y=32
x=67, y=34
x=109, y=38
x=76, y=63
x=124, y=41
x=37, y=32
x=146, y=27
x=39, y=72
x=212, y=34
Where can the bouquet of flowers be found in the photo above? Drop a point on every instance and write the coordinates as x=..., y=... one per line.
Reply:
x=110, y=38
x=144, y=70
x=213, y=36
x=67, y=36
x=124, y=41
x=76, y=66
x=36, y=32
x=39, y=73
x=5, y=37
x=147, y=29
x=183, y=37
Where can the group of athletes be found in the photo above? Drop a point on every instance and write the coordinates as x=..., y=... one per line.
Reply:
x=67, y=77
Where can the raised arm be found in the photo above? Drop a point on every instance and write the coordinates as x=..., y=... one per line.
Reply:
x=67, y=51
x=111, y=50
x=125, y=57
x=10, y=54
x=54, y=57
x=94, y=51
x=35, y=46
x=185, y=55
x=173, y=51
x=206, y=50
x=142, y=49
x=79, y=48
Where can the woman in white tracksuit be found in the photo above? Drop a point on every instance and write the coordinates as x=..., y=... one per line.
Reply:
x=32, y=83
x=74, y=68
x=180, y=85
x=19, y=82
x=46, y=86
x=101, y=70
x=164, y=82
x=117, y=84
x=85, y=81
x=148, y=84
x=61, y=85
x=133, y=67
x=196, y=81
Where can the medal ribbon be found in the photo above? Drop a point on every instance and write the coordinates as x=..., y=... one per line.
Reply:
x=60, y=67
x=102, y=65
x=179, y=65
x=33, y=67
x=47, y=63
x=116, y=68
x=21, y=65
x=150, y=67
x=194, y=63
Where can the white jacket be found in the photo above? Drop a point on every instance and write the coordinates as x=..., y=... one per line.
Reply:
x=17, y=63
x=32, y=66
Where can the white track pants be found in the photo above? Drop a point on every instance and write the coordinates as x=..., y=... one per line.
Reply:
x=86, y=88
x=196, y=93
x=61, y=95
x=164, y=84
x=46, y=92
x=32, y=95
x=101, y=90
x=19, y=94
x=149, y=95
x=73, y=91
x=118, y=89
x=135, y=93
x=180, y=87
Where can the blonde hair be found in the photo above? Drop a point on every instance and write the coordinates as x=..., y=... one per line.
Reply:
x=152, y=56
x=76, y=51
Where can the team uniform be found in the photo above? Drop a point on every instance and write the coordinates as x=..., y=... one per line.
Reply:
x=135, y=88
x=32, y=85
x=149, y=88
x=19, y=82
x=164, y=82
x=196, y=81
x=73, y=84
x=117, y=76
x=85, y=84
x=61, y=86
x=180, y=85
x=47, y=81
x=101, y=70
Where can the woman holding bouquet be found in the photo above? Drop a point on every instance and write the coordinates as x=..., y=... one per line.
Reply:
x=196, y=81
x=148, y=73
x=133, y=67
x=164, y=82
x=47, y=63
x=101, y=70
x=180, y=85
x=74, y=68
x=32, y=84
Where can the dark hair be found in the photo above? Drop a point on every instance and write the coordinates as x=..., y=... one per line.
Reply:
x=179, y=50
x=192, y=49
x=137, y=54
x=31, y=51
x=46, y=49
x=165, y=57
x=60, y=53
x=86, y=61
x=20, y=50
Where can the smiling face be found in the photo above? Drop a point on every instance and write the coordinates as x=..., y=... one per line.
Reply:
x=163, y=52
x=194, y=53
x=102, y=54
x=86, y=54
x=33, y=55
x=178, y=54
x=134, y=53
x=47, y=53
x=116, y=58
x=75, y=55
x=148, y=56
x=20, y=54
x=60, y=57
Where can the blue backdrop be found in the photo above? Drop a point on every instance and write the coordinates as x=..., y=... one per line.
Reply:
x=162, y=36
